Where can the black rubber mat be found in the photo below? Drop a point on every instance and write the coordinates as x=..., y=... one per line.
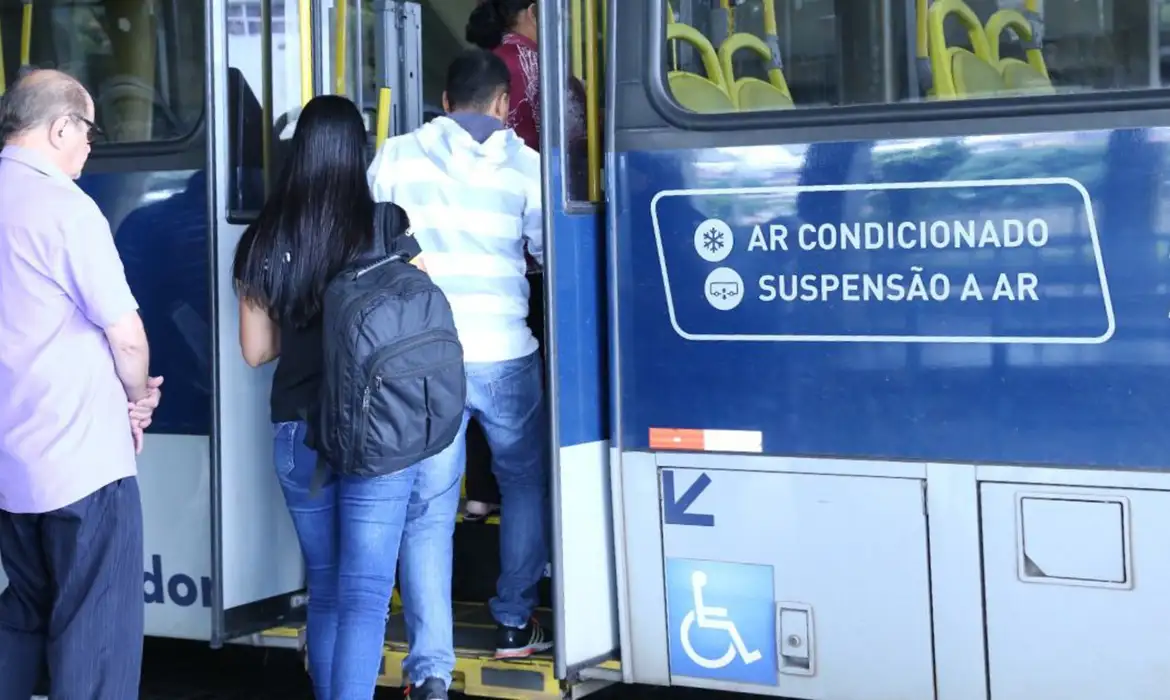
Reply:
x=475, y=630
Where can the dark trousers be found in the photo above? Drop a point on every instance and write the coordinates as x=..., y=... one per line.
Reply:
x=73, y=608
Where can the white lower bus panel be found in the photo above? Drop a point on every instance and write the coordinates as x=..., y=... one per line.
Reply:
x=1077, y=588
x=814, y=586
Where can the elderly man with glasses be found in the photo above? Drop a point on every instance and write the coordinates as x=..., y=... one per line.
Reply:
x=75, y=397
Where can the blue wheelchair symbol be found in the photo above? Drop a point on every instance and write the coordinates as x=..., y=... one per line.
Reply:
x=722, y=621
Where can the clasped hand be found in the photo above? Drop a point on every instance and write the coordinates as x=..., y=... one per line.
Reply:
x=142, y=411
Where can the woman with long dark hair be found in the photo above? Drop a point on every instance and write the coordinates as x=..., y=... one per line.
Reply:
x=319, y=219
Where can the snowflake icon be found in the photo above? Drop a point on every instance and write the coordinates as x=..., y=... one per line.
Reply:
x=714, y=240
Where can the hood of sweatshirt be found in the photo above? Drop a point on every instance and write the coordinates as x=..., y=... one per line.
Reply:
x=467, y=146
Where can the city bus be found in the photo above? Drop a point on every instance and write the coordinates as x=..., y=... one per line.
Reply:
x=844, y=402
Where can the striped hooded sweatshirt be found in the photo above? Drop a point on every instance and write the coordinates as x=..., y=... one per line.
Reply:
x=472, y=191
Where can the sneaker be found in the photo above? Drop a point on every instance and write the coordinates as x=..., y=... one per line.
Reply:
x=431, y=689
x=520, y=643
x=478, y=510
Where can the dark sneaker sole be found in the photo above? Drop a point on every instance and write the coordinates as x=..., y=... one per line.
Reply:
x=523, y=652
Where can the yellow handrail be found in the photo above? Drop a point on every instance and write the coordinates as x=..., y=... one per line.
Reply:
x=576, y=40
x=592, y=111
x=726, y=5
x=673, y=45
x=305, y=25
x=382, y=125
x=771, y=26
x=922, y=37
x=26, y=19
x=3, y=70
x=341, y=34
x=940, y=56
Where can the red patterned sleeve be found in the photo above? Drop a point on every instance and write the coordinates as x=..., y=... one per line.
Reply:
x=524, y=98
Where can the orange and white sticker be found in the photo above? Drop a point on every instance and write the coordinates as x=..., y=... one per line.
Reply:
x=690, y=440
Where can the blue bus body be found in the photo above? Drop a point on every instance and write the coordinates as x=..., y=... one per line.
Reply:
x=1074, y=377
x=888, y=366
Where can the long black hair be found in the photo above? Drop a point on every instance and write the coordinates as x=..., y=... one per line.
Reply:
x=491, y=19
x=318, y=218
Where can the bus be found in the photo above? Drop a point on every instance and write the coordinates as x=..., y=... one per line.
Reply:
x=844, y=404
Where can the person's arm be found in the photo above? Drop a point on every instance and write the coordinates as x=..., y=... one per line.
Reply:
x=259, y=336
x=382, y=172
x=534, y=216
x=94, y=279
x=127, y=338
x=523, y=95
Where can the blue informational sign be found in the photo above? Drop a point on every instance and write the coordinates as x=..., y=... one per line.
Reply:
x=832, y=263
x=722, y=620
x=972, y=300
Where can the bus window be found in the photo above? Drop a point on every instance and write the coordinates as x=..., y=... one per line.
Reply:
x=265, y=95
x=141, y=62
x=580, y=122
x=792, y=54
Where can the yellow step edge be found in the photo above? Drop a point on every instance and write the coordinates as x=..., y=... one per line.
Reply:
x=470, y=667
x=283, y=632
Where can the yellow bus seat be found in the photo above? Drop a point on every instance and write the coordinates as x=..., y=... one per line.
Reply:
x=974, y=77
x=749, y=93
x=958, y=73
x=695, y=92
x=1018, y=76
x=754, y=94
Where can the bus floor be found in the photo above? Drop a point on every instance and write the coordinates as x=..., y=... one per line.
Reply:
x=181, y=670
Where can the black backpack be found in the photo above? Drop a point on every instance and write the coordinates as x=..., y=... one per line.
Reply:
x=394, y=388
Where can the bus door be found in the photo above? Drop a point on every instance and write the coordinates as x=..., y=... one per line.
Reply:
x=585, y=609
x=263, y=66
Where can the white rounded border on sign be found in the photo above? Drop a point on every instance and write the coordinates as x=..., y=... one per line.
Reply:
x=724, y=288
x=714, y=240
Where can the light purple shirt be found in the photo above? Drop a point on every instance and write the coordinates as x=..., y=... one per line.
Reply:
x=64, y=427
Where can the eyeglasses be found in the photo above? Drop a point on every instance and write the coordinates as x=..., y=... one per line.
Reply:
x=92, y=131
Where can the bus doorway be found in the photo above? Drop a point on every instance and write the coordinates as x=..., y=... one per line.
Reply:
x=406, y=47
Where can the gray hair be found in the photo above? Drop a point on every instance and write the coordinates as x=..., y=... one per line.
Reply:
x=37, y=98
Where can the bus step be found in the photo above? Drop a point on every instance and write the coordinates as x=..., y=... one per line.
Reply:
x=477, y=672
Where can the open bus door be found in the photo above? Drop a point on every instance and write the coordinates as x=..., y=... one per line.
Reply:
x=260, y=72
x=584, y=577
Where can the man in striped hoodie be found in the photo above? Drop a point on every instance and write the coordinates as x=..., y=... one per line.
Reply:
x=472, y=189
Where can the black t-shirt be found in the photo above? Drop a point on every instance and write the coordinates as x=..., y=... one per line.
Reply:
x=296, y=384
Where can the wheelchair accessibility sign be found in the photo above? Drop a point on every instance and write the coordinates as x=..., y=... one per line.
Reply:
x=722, y=621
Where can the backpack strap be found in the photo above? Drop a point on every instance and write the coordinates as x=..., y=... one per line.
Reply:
x=392, y=232
x=320, y=476
x=321, y=470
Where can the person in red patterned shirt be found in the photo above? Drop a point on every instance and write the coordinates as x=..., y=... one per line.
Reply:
x=508, y=28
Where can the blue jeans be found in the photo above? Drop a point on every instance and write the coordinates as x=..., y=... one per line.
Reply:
x=353, y=532
x=507, y=398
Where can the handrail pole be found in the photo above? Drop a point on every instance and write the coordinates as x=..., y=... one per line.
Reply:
x=340, y=48
x=305, y=28
x=592, y=108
